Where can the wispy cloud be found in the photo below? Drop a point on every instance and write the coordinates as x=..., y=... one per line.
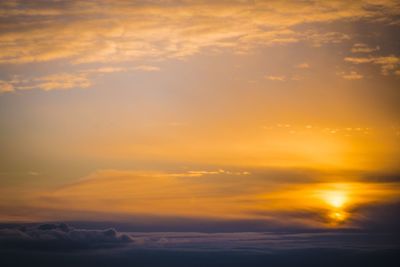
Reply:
x=363, y=48
x=353, y=75
x=6, y=87
x=147, y=68
x=388, y=64
x=106, y=70
x=62, y=81
x=277, y=78
x=304, y=65
x=58, y=81
x=130, y=30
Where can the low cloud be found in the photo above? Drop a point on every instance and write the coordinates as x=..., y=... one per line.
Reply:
x=59, y=237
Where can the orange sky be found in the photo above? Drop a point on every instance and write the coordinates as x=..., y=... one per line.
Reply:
x=275, y=110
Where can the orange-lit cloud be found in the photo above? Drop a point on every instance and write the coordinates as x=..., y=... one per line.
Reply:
x=121, y=31
x=353, y=75
x=305, y=198
x=388, y=64
x=250, y=110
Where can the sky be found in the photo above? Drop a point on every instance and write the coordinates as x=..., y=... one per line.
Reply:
x=201, y=115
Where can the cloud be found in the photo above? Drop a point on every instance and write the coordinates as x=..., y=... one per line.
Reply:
x=352, y=76
x=62, y=81
x=304, y=65
x=147, y=68
x=6, y=87
x=124, y=31
x=58, y=81
x=278, y=78
x=388, y=64
x=363, y=48
x=106, y=70
x=276, y=196
x=318, y=39
x=52, y=236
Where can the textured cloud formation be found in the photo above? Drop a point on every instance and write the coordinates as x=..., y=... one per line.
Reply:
x=388, y=64
x=278, y=197
x=276, y=78
x=104, y=31
x=329, y=248
x=62, y=81
x=59, y=236
x=363, y=48
x=58, y=81
x=353, y=75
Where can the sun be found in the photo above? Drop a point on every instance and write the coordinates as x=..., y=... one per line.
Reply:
x=335, y=199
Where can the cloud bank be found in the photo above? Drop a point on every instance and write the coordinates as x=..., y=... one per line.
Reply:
x=59, y=237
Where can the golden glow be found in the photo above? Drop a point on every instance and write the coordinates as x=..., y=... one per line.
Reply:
x=223, y=109
x=335, y=198
x=338, y=216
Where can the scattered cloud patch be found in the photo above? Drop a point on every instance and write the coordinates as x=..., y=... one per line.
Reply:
x=59, y=81
x=276, y=78
x=363, y=48
x=388, y=64
x=304, y=65
x=106, y=70
x=352, y=76
x=147, y=68
x=6, y=87
x=63, y=81
x=318, y=39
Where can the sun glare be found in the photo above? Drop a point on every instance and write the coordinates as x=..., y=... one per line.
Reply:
x=336, y=199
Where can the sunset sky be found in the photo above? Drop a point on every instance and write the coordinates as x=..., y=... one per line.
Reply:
x=280, y=113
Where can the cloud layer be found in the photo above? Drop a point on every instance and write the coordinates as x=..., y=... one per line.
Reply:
x=110, y=31
x=59, y=237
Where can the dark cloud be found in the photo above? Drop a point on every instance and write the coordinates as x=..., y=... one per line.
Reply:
x=217, y=249
x=59, y=237
x=378, y=217
x=382, y=178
